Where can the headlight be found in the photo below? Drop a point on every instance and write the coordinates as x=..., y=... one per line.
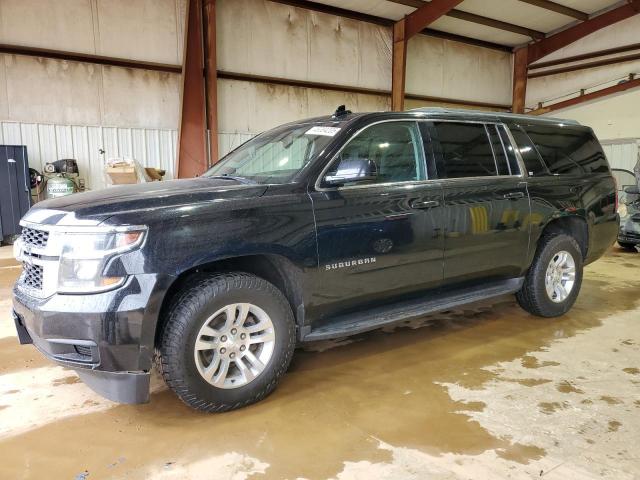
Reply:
x=17, y=249
x=84, y=257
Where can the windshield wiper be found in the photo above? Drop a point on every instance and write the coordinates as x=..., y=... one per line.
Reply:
x=243, y=180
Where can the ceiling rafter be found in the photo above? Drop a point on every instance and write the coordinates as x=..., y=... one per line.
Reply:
x=478, y=19
x=573, y=33
x=387, y=22
x=428, y=13
x=558, y=8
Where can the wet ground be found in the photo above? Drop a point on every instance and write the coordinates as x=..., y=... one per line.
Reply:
x=484, y=392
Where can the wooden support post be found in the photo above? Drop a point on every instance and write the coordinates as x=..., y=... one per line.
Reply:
x=399, y=66
x=192, y=153
x=520, y=61
x=403, y=30
x=211, y=77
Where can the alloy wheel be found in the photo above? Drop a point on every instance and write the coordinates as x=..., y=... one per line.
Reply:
x=560, y=276
x=234, y=345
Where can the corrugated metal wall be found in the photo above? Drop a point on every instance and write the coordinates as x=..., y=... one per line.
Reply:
x=47, y=143
x=622, y=153
x=228, y=141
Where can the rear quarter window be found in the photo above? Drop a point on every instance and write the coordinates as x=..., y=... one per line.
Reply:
x=533, y=163
x=568, y=150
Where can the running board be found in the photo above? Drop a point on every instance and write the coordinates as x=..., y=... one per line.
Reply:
x=351, y=324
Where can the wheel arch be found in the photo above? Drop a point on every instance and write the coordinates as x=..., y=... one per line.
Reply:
x=274, y=268
x=572, y=225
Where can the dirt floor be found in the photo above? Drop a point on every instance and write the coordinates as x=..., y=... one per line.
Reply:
x=484, y=392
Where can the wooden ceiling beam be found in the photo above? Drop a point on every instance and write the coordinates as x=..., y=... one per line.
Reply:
x=557, y=8
x=478, y=19
x=555, y=42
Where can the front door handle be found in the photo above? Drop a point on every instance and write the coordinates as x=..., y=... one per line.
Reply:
x=513, y=195
x=424, y=204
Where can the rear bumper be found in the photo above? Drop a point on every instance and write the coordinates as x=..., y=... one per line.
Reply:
x=108, y=338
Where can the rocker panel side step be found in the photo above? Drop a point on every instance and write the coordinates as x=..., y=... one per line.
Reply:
x=358, y=322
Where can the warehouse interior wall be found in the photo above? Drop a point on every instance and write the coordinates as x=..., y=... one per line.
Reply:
x=65, y=109
x=72, y=109
x=616, y=118
x=275, y=40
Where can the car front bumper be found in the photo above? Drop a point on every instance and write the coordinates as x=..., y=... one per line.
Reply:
x=631, y=237
x=108, y=338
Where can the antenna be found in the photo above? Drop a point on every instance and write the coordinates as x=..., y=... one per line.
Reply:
x=341, y=111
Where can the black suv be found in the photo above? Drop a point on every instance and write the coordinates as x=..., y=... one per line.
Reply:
x=313, y=230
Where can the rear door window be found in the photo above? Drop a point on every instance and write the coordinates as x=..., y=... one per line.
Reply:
x=569, y=149
x=465, y=149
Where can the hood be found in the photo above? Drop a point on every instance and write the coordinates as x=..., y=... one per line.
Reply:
x=96, y=206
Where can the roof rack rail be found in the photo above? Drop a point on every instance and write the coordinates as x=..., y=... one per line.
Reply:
x=497, y=115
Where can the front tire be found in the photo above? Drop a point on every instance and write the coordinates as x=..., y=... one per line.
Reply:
x=226, y=342
x=553, y=282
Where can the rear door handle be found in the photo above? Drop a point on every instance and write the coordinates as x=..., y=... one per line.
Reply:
x=513, y=195
x=424, y=204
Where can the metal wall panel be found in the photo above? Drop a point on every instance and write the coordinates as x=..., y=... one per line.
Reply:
x=622, y=153
x=48, y=143
x=229, y=141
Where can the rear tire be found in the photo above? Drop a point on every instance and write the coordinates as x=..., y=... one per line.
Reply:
x=212, y=369
x=545, y=293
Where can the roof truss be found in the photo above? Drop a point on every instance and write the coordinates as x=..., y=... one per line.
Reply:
x=478, y=19
x=557, y=8
x=387, y=22
x=565, y=37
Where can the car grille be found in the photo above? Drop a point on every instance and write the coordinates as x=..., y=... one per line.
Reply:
x=32, y=276
x=34, y=238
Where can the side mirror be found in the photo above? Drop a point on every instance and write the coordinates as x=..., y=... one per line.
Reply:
x=359, y=170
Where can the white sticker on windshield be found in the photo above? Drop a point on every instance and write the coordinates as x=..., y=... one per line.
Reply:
x=326, y=131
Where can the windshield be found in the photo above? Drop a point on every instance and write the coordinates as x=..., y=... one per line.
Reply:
x=274, y=156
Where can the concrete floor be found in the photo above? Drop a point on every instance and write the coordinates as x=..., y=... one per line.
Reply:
x=484, y=392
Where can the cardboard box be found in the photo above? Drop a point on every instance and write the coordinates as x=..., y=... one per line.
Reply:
x=122, y=174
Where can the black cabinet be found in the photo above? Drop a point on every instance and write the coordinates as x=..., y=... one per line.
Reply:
x=15, y=188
